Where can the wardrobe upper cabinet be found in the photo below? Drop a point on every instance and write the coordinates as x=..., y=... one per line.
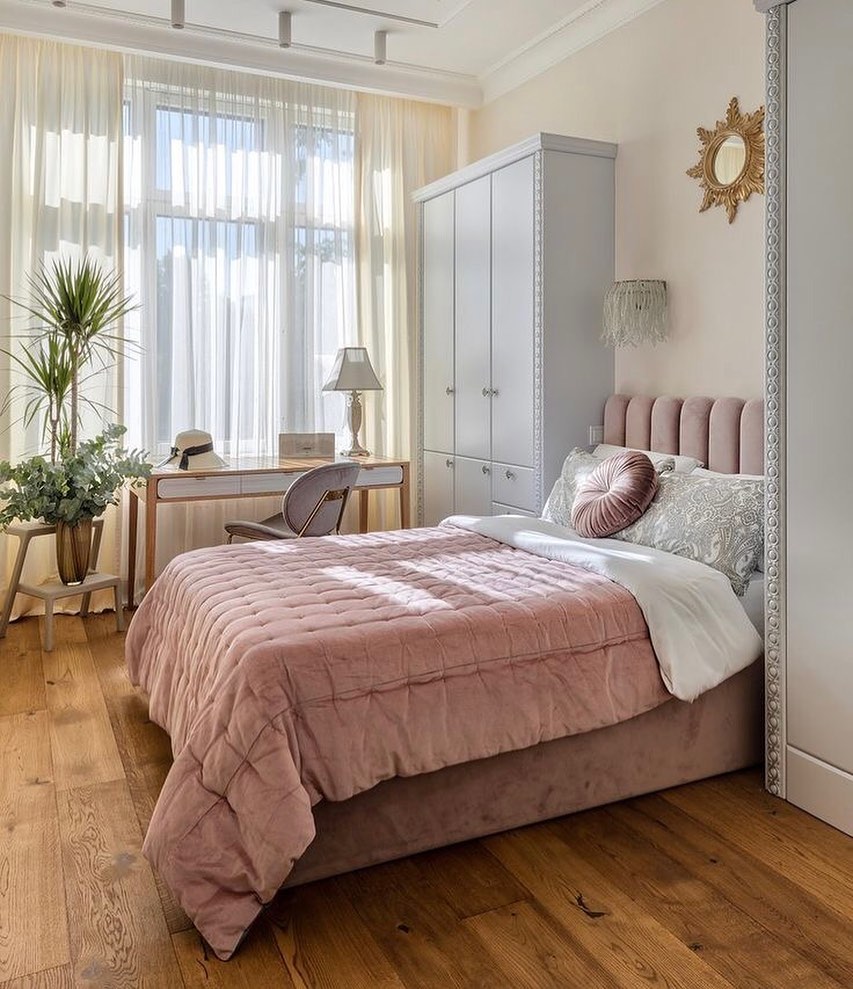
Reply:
x=517, y=256
x=473, y=318
x=437, y=320
x=513, y=286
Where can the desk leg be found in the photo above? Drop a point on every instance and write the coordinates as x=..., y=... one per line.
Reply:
x=15, y=579
x=405, y=500
x=363, y=506
x=132, y=531
x=150, y=534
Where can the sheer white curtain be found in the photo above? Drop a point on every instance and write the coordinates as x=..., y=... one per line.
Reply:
x=240, y=245
x=261, y=224
x=400, y=146
x=60, y=117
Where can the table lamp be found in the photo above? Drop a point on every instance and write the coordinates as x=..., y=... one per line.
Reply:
x=353, y=373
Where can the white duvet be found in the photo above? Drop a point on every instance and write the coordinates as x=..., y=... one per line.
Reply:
x=699, y=630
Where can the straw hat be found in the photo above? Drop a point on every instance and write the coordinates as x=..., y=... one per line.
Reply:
x=193, y=450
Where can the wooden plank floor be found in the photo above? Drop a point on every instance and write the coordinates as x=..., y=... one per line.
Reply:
x=715, y=885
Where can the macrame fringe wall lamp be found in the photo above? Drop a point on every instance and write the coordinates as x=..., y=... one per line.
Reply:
x=635, y=313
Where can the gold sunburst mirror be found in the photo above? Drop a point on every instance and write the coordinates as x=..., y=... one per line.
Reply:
x=731, y=159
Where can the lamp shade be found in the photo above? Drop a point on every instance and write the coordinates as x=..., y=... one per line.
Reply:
x=352, y=372
x=635, y=313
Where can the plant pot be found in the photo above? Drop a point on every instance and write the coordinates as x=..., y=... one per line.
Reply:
x=73, y=550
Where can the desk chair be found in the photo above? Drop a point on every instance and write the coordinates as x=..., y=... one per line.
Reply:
x=312, y=506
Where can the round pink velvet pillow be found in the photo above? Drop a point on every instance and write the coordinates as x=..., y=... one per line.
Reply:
x=614, y=495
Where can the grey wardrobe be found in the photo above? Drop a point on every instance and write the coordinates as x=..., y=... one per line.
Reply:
x=517, y=253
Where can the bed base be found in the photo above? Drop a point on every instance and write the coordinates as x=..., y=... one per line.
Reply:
x=672, y=744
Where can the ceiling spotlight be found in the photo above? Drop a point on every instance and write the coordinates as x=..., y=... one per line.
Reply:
x=284, y=29
x=178, y=13
x=380, y=45
x=58, y=3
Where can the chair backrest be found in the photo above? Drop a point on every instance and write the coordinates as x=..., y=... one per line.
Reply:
x=314, y=504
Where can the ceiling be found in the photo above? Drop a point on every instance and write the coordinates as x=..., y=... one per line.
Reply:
x=462, y=52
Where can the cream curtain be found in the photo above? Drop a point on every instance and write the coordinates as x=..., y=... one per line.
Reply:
x=400, y=146
x=261, y=225
x=61, y=121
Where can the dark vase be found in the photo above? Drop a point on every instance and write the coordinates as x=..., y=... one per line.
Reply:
x=73, y=549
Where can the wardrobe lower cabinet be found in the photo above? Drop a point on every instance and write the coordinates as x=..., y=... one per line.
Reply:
x=438, y=484
x=473, y=487
x=466, y=486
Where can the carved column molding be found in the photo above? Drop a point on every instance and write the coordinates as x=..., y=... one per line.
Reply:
x=774, y=638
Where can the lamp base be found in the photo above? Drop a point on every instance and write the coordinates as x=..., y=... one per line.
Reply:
x=354, y=423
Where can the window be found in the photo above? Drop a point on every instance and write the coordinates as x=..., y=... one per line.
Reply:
x=239, y=246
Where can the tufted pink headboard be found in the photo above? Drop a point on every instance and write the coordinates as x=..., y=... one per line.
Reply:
x=726, y=434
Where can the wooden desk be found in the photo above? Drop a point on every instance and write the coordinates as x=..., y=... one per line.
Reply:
x=249, y=477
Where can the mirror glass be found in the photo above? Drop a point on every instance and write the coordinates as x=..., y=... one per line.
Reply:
x=730, y=159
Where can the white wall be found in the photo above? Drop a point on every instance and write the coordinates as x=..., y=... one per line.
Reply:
x=647, y=86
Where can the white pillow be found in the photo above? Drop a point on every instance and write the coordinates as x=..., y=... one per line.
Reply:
x=683, y=465
x=704, y=472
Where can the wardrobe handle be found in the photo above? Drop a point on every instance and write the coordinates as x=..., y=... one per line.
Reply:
x=449, y=390
x=494, y=391
x=487, y=392
x=448, y=462
x=510, y=475
x=485, y=469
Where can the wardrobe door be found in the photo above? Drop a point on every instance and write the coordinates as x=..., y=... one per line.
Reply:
x=819, y=355
x=512, y=314
x=438, y=322
x=473, y=318
x=473, y=487
x=438, y=487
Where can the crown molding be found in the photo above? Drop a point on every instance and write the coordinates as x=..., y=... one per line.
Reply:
x=585, y=26
x=153, y=35
x=138, y=33
x=762, y=6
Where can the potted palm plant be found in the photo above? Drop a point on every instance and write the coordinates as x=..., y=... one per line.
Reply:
x=75, y=309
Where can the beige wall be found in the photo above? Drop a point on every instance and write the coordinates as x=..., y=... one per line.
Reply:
x=647, y=86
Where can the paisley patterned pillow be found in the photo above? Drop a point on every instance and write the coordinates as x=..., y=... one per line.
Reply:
x=576, y=468
x=717, y=520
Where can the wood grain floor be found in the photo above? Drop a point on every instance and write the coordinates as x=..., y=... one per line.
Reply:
x=715, y=885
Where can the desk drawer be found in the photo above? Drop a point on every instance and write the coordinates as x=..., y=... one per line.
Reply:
x=373, y=477
x=197, y=486
x=261, y=484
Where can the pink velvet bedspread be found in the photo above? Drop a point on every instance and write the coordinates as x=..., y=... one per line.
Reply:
x=290, y=672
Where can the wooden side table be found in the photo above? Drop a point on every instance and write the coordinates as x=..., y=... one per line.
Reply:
x=55, y=590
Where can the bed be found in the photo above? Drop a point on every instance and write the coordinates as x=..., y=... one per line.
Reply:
x=513, y=688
